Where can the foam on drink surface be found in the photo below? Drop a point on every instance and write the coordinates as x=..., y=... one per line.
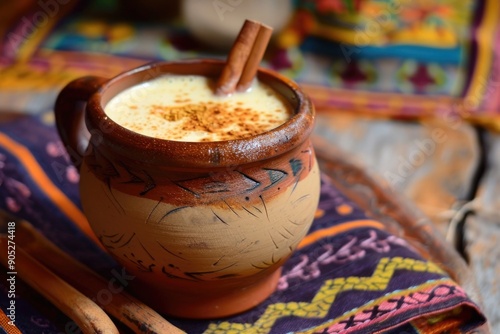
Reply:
x=184, y=108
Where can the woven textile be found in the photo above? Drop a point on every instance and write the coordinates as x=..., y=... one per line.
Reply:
x=403, y=59
x=349, y=275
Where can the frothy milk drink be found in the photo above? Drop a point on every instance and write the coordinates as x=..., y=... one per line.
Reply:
x=184, y=108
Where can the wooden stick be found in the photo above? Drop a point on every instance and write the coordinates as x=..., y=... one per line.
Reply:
x=127, y=309
x=83, y=311
x=255, y=57
x=237, y=58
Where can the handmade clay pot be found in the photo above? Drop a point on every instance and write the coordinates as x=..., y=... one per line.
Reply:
x=204, y=227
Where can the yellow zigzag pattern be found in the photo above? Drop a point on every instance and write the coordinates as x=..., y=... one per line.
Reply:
x=321, y=303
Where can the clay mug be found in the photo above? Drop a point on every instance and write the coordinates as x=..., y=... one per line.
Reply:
x=204, y=227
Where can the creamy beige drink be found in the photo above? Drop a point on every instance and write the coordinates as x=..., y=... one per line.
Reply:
x=184, y=108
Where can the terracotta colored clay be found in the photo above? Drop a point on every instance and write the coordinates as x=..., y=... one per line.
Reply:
x=204, y=227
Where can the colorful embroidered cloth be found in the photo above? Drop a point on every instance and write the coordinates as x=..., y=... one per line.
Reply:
x=400, y=59
x=349, y=275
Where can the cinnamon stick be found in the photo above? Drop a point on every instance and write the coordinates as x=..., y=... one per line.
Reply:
x=130, y=311
x=255, y=57
x=237, y=58
x=83, y=311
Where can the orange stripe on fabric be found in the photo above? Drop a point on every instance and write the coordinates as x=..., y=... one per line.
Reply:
x=46, y=185
x=4, y=322
x=327, y=232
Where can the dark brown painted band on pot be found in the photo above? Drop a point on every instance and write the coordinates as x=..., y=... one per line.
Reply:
x=148, y=150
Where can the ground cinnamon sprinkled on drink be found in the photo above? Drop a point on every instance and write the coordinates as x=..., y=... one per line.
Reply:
x=213, y=118
x=184, y=108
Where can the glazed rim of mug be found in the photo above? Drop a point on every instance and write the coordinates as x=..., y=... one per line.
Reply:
x=150, y=150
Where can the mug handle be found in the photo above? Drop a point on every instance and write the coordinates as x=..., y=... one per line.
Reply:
x=69, y=112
